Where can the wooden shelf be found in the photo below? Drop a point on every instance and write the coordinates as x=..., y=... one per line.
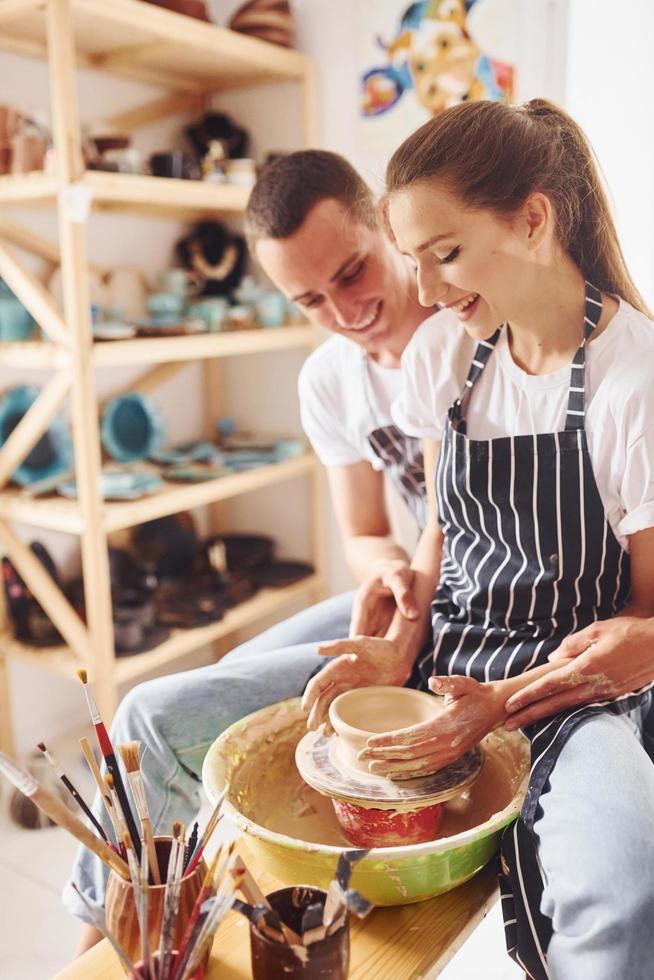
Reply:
x=154, y=45
x=59, y=514
x=132, y=193
x=160, y=350
x=266, y=602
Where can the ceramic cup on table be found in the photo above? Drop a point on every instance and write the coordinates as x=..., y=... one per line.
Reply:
x=328, y=957
x=212, y=311
x=165, y=305
x=120, y=908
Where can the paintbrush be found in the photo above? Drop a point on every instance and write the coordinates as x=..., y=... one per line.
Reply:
x=171, y=900
x=121, y=825
x=99, y=781
x=255, y=896
x=131, y=756
x=60, y=814
x=77, y=796
x=203, y=895
x=107, y=750
x=101, y=925
x=212, y=823
x=191, y=845
x=218, y=908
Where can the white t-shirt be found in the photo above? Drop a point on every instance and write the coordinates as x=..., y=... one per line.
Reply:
x=343, y=398
x=507, y=401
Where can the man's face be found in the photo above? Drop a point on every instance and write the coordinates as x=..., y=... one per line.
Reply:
x=343, y=275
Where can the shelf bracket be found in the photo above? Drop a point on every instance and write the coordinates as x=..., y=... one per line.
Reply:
x=33, y=424
x=46, y=592
x=34, y=296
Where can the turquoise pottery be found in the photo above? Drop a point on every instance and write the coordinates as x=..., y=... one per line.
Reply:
x=132, y=428
x=53, y=453
x=386, y=876
x=271, y=309
x=118, y=486
x=165, y=306
x=16, y=322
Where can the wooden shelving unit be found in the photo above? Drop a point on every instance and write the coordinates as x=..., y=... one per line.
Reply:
x=192, y=60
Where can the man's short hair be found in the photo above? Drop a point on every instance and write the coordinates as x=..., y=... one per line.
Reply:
x=292, y=185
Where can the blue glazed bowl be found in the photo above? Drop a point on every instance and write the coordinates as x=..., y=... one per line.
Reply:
x=132, y=428
x=53, y=453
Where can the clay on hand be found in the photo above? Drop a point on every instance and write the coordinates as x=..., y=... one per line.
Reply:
x=387, y=591
x=362, y=661
x=471, y=710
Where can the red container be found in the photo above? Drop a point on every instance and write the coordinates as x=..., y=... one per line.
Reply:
x=367, y=827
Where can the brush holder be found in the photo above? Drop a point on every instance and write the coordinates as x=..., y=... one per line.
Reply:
x=328, y=957
x=141, y=971
x=120, y=907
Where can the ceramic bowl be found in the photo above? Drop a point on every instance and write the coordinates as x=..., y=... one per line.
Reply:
x=365, y=711
x=386, y=876
x=132, y=428
x=52, y=456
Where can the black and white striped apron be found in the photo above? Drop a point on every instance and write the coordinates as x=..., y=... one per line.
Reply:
x=400, y=454
x=528, y=558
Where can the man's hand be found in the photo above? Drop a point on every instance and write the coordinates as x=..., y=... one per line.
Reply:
x=359, y=662
x=599, y=663
x=386, y=591
x=471, y=710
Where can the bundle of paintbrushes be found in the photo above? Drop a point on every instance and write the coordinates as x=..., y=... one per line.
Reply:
x=149, y=868
x=318, y=919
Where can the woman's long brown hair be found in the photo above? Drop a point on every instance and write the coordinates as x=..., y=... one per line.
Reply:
x=492, y=155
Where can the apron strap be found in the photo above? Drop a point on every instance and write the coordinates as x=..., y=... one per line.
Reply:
x=576, y=411
x=482, y=354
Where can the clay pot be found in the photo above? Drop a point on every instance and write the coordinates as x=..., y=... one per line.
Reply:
x=365, y=711
x=369, y=827
x=121, y=910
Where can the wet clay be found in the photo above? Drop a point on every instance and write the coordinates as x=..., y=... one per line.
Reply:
x=267, y=789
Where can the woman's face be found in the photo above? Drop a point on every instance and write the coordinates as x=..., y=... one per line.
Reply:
x=470, y=261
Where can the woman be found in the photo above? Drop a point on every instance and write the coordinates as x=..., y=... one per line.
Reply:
x=544, y=496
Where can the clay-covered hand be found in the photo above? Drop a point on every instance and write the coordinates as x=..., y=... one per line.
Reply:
x=471, y=710
x=358, y=662
x=599, y=663
x=389, y=589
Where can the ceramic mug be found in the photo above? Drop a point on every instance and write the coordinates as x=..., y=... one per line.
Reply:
x=213, y=311
x=165, y=305
x=181, y=282
x=328, y=957
x=271, y=309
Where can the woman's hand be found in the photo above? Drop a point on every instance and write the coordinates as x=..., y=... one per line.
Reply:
x=599, y=663
x=471, y=710
x=359, y=662
x=389, y=589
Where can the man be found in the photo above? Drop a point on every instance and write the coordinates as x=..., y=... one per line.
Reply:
x=313, y=226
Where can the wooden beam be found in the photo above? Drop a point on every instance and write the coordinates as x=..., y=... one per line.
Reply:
x=44, y=248
x=46, y=592
x=33, y=424
x=33, y=295
x=151, y=112
x=84, y=405
x=147, y=382
x=6, y=720
x=11, y=9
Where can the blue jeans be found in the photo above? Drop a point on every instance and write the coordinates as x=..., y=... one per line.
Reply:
x=596, y=850
x=178, y=717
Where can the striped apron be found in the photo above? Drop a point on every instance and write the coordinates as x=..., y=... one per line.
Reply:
x=528, y=558
x=401, y=455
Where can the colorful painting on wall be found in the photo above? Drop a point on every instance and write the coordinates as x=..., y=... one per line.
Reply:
x=419, y=58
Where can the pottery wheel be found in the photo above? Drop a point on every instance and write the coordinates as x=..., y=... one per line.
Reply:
x=321, y=767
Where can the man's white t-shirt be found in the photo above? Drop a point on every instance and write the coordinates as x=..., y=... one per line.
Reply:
x=344, y=396
x=507, y=401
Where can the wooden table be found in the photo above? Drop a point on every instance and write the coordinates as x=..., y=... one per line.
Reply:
x=405, y=942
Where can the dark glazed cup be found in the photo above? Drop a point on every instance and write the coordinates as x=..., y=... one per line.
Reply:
x=329, y=957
